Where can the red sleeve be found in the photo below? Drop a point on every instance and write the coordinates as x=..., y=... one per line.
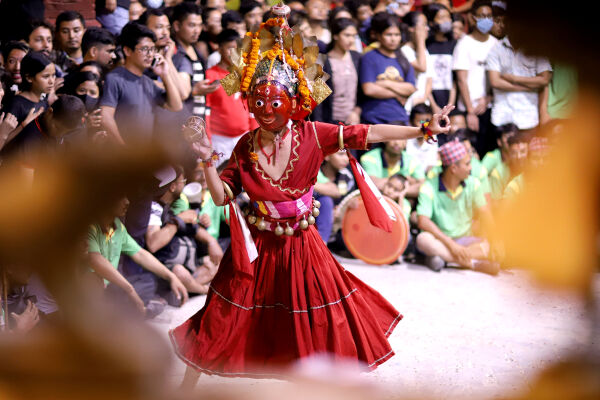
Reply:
x=231, y=173
x=355, y=136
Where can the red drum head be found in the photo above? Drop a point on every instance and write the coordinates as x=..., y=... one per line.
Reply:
x=371, y=244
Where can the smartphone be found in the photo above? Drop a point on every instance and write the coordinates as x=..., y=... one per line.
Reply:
x=154, y=61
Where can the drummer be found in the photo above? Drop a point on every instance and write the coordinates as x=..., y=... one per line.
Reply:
x=446, y=207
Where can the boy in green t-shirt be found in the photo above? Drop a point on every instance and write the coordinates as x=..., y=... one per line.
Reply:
x=515, y=161
x=381, y=163
x=495, y=157
x=109, y=239
x=446, y=208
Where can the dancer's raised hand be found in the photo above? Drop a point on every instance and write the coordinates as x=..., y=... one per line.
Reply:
x=440, y=123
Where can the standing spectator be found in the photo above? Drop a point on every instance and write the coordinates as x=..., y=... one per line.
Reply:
x=70, y=27
x=440, y=45
x=187, y=23
x=252, y=13
x=561, y=93
x=112, y=14
x=39, y=75
x=216, y=4
x=129, y=96
x=233, y=20
x=458, y=26
x=45, y=133
x=40, y=37
x=98, y=45
x=516, y=80
x=317, y=18
x=446, y=208
x=343, y=65
x=159, y=23
x=207, y=42
x=387, y=78
x=362, y=12
x=229, y=118
x=136, y=9
x=13, y=53
x=415, y=51
x=469, y=57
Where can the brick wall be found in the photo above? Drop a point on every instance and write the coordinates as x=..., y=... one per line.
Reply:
x=85, y=7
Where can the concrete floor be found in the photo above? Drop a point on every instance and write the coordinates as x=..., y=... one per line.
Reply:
x=464, y=334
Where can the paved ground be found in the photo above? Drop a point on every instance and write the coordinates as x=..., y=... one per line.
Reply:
x=464, y=334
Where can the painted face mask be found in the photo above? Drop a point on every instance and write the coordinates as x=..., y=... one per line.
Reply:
x=271, y=106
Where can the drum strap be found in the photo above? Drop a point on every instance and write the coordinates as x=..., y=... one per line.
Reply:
x=379, y=211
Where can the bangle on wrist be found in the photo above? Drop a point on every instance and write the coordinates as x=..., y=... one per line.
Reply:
x=427, y=133
x=209, y=162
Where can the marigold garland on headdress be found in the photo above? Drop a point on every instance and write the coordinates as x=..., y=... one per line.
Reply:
x=295, y=69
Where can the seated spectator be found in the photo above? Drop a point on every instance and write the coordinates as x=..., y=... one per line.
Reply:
x=171, y=237
x=22, y=310
x=45, y=133
x=107, y=240
x=477, y=169
x=98, y=45
x=229, y=118
x=334, y=182
x=70, y=27
x=381, y=163
x=395, y=188
x=425, y=154
x=386, y=77
x=13, y=53
x=511, y=166
x=446, y=208
x=342, y=64
x=495, y=157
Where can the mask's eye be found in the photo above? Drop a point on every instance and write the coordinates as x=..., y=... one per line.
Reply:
x=259, y=103
x=276, y=103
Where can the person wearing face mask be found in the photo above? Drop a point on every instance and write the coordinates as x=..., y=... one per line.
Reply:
x=440, y=46
x=469, y=63
x=87, y=87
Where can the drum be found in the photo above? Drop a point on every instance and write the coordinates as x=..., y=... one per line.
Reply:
x=369, y=243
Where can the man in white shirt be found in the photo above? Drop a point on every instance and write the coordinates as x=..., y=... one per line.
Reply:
x=516, y=80
x=469, y=59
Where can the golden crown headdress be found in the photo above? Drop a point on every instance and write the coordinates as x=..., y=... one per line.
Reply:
x=275, y=52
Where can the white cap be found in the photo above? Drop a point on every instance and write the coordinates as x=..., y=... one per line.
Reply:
x=165, y=176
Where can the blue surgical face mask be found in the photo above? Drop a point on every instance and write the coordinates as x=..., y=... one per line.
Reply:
x=484, y=25
x=445, y=26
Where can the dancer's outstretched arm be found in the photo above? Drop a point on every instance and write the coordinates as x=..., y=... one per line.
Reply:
x=384, y=133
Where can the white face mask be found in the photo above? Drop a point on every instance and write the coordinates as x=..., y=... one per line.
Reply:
x=154, y=3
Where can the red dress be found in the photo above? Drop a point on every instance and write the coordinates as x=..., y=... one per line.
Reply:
x=300, y=300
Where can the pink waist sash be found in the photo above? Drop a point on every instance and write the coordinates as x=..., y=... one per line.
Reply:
x=285, y=209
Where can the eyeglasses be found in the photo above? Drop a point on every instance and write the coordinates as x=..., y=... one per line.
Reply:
x=146, y=50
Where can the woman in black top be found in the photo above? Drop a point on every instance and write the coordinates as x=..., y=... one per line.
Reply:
x=344, y=33
x=37, y=90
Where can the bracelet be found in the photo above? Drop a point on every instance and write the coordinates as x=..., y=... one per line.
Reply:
x=210, y=160
x=427, y=133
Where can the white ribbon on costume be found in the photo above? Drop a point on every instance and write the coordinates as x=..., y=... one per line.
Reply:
x=250, y=246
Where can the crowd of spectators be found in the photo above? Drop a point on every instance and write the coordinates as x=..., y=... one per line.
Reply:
x=143, y=67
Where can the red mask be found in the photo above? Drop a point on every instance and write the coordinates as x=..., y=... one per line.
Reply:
x=271, y=106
